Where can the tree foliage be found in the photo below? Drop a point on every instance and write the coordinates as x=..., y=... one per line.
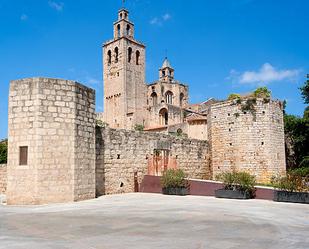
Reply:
x=297, y=129
x=297, y=135
x=3, y=151
x=305, y=91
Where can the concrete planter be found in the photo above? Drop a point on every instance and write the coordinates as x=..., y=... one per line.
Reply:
x=295, y=197
x=232, y=194
x=175, y=191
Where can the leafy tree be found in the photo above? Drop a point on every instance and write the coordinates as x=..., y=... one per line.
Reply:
x=3, y=151
x=297, y=135
x=305, y=91
x=297, y=132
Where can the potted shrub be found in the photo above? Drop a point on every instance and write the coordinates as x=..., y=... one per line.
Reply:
x=292, y=188
x=174, y=182
x=237, y=185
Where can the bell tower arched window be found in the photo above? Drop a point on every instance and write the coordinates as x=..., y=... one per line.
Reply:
x=116, y=54
x=129, y=54
x=137, y=57
x=109, y=57
x=128, y=30
x=118, y=30
x=169, y=97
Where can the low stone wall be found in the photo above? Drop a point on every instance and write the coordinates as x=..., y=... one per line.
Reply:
x=3, y=178
x=123, y=156
x=151, y=184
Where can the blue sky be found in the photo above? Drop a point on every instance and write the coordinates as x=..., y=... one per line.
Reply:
x=217, y=47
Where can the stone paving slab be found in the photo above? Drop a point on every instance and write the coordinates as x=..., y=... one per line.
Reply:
x=156, y=221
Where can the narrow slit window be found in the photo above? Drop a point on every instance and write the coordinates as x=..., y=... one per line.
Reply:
x=23, y=155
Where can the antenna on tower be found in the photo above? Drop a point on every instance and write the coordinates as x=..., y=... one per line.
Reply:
x=123, y=2
x=165, y=53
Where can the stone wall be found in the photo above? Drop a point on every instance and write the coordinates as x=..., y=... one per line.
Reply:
x=3, y=176
x=120, y=153
x=250, y=140
x=55, y=119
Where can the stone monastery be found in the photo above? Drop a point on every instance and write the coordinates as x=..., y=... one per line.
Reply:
x=60, y=150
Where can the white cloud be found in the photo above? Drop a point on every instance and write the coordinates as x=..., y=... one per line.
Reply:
x=92, y=81
x=154, y=20
x=166, y=17
x=160, y=20
x=23, y=17
x=56, y=5
x=265, y=75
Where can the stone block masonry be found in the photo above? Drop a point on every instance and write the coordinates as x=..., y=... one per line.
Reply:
x=248, y=140
x=121, y=153
x=51, y=147
x=3, y=177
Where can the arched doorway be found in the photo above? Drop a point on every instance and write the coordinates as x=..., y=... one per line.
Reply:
x=163, y=116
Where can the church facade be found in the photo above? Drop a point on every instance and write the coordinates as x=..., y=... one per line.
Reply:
x=129, y=102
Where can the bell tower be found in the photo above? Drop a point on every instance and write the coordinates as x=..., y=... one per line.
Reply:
x=124, y=76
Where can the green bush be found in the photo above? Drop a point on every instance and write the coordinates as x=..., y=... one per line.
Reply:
x=3, y=152
x=262, y=92
x=174, y=178
x=302, y=172
x=291, y=183
x=233, y=96
x=139, y=127
x=242, y=181
x=101, y=124
x=305, y=163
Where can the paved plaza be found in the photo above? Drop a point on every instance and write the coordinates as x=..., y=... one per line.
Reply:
x=156, y=221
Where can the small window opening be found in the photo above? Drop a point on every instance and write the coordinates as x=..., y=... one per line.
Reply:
x=121, y=184
x=23, y=155
x=118, y=156
x=118, y=30
x=263, y=112
x=245, y=112
x=229, y=114
x=231, y=144
x=116, y=54
x=262, y=143
x=154, y=97
x=169, y=97
x=128, y=30
x=230, y=129
x=137, y=57
x=181, y=97
x=109, y=57
x=129, y=54
x=120, y=15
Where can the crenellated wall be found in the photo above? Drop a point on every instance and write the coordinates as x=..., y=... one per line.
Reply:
x=121, y=153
